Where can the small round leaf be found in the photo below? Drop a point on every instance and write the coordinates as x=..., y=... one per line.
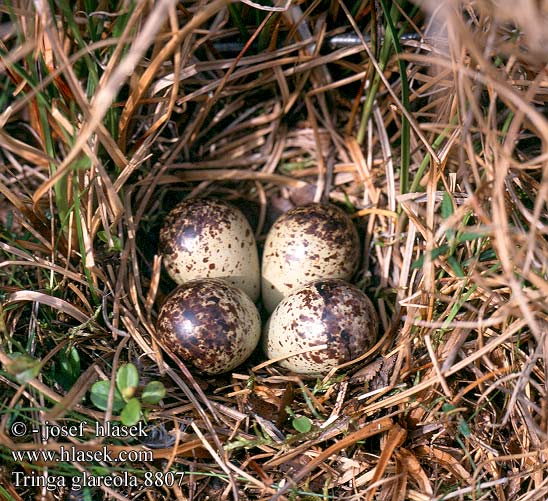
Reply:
x=153, y=392
x=127, y=380
x=23, y=367
x=131, y=413
x=99, y=396
x=302, y=424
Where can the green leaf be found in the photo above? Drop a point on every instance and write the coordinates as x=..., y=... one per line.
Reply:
x=448, y=407
x=23, y=367
x=70, y=361
x=464, y=428
x=127, y=380
x=302, y=424
x=348, y=203
x=99, y=396
x=131, y=413
x=153, y=392
x=446, y=206
x=488, y=255
x=457, y=268
x=392, y=37
x=100, y=471
x=86, y=494
x=469, y=235
x=436, y=252
x=116, y=242
x=69, y=368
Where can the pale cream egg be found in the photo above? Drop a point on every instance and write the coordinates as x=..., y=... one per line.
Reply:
x=212, y=325
x=205, y=238
x=320, y=326
x=304, y=244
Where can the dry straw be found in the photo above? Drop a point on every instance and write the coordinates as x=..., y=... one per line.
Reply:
x=438, y=143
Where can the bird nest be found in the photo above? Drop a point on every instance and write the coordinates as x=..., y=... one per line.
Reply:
x=428, y=126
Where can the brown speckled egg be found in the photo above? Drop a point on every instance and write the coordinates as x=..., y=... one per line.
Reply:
x=324, y=312
x=204, y=238
x=210, y=324
x=307, y=243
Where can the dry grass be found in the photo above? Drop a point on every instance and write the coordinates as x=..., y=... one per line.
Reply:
x=110, y=117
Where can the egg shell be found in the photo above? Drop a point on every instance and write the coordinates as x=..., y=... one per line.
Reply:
x=205, y=238
x=330, y=312
x=307, y=243
x=209, y=324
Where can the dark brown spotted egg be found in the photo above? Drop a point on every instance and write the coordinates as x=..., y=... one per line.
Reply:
x=209, y=324
x=204, y=238
x=321, y=325
x=307, y=243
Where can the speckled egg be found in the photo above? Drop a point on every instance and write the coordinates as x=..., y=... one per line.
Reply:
x=205, y=238
x=210, y=324
x=307, y=243
x=325, y=312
